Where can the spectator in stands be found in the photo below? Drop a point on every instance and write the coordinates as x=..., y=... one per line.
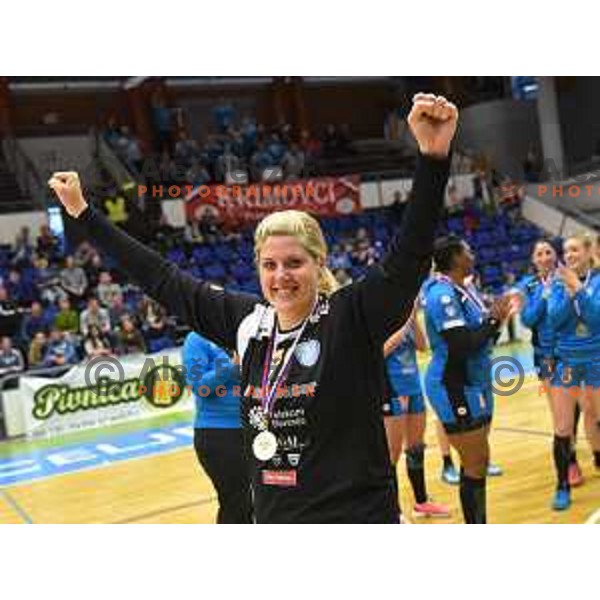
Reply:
x=293, y=163
x=121, y=142
x=33, y=323
x=129, y=338
x=237, y=142
x=227, y=163
x=96, y=343
x=157, y=332
x=23, y=248
x=11, y=359
x=37, y=349
x=134, y=157
x=276, y=148
x=532, y=166
x=249, y=133
x=60, y=351
x=118, y=309
x=107, y=290
x=338, y=259
x=365, y=254
x=208, y=226
x=116, y=209
x=67, y=319
x=48, y=281
x=454, y=202
x=310, y=146
x=163, y=121
x=73, y=280
x=260, y=160
x=18, y=290
x=93, y=270
x=186, y=149
x=342, y=277
x=112, y=133
x=95, y=315
x=84, y=254
x=224, y=115
x=47, y=244
x=396, y=209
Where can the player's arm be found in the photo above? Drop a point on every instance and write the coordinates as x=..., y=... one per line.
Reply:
x=388, y=292
x=206, y=308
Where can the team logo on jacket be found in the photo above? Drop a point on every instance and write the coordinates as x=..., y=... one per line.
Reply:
x=308, y=353
x=446, y=299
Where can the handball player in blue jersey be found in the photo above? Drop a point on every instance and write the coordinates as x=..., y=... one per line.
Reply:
x=404, y=412
x=218, y=439
x=535, y=291
x=462, y=332
x=574, y=314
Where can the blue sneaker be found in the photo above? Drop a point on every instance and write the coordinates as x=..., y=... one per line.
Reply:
x=562, y=500
x=450, y=475
x=494, y=471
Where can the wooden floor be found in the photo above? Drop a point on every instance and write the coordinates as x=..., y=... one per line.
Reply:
x=170, y=488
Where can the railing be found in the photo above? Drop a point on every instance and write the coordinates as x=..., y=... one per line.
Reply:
x=28, y=178
x=105, y=155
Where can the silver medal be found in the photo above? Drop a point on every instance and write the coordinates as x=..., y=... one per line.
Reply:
x=264, y=446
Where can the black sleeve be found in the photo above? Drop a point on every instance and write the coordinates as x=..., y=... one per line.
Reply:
x=388, y=292
x=463, y=342
x=206, y=308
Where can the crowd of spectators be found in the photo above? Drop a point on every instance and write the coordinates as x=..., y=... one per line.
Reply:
x=238, y=150
x=57, y=310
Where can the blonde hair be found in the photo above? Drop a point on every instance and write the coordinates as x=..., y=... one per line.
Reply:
x=586, y=240
x=307, y=231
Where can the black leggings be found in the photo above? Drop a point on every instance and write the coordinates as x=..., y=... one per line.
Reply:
x=221, y=454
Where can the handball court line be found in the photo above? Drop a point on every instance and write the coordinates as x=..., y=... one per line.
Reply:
x=594, y=519
x=97, y=467
x=8, y=499
x=164, y=511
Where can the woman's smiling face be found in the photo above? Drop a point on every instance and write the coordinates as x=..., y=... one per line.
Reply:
x=289, y=278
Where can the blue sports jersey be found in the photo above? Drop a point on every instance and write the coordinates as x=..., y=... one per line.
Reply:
x=402, y=367
x=446, y=307
x=215, y=382
x=534, y=315
x=576, y=320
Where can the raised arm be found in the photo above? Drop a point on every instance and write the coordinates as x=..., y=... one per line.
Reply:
x=206, y=308
x=388, y=292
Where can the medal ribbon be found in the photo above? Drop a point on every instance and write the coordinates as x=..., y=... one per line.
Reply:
x=465, y=292
x=575, y=301
x=267, y=398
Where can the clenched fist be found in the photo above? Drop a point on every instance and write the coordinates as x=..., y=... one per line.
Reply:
x=68, y=189
x=433, y=122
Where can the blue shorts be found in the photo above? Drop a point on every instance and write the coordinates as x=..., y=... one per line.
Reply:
x=570, y=375
x=545, y=365
x=461, y=410
x=404, y=405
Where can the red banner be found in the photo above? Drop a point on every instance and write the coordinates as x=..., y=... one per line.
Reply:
x=325, y=196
